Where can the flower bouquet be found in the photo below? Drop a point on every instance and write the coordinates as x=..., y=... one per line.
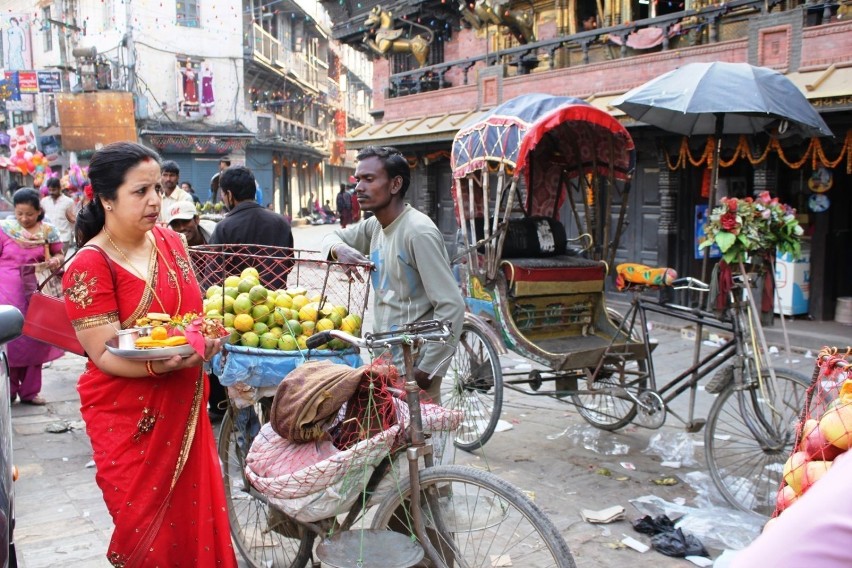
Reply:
x=745, y=229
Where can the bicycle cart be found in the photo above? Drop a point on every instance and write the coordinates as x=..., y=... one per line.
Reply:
x=536, y=287
x=251, y=374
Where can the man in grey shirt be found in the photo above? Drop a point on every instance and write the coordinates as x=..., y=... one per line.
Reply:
x=412, y=279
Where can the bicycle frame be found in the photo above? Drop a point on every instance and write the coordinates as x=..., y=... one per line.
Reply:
x=702, y=366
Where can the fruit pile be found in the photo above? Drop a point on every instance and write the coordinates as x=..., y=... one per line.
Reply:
x=169, y=332
x=275, y=319
x=821, y=441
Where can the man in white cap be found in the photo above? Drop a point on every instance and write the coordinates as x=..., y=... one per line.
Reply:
x=183, y=218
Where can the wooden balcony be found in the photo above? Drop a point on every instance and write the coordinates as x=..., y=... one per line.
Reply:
x=604, y=62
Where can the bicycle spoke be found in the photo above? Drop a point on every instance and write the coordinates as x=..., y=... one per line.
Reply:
x=745, y=468
x=474, y=520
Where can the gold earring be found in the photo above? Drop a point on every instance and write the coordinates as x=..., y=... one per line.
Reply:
x=109, y=207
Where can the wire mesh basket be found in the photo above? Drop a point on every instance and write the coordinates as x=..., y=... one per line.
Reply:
x=283, y=268
x=302, y=272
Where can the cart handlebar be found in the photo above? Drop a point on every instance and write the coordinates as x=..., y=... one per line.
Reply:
x=411, y=333
x=690, y=283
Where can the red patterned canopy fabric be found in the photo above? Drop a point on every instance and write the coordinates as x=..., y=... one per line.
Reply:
x=550, y=139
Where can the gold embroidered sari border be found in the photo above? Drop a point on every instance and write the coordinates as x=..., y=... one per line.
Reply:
x=147, y=296
x=88, y=322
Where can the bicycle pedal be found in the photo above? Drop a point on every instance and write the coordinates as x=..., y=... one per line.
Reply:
x=695, y=425
x=720, y=380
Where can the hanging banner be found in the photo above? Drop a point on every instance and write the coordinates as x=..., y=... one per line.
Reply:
x=11, y=86
x=49, y=82
x=28, y=82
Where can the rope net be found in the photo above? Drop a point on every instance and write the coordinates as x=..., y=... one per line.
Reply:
x=319, y=479
x=825, y=428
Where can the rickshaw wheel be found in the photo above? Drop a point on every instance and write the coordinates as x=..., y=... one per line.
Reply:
x=605, y=411
x=474, y=385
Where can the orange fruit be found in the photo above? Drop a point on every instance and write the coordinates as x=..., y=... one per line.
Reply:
x=159, y=332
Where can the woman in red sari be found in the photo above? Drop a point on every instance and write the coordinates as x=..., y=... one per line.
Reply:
x=153, y=444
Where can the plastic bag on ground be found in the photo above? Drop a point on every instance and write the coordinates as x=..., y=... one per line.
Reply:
x=716, y=527
x=677, y=544
x=673, y=447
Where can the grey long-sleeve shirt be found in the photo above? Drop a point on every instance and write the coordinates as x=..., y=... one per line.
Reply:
x=412, y=280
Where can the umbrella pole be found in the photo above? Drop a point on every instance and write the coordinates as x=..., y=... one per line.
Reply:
x=714, y=182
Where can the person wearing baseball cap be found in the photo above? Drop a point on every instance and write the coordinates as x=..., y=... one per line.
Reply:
x=183, y=218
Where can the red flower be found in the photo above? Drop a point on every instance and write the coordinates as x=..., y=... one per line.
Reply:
x=89, y=193
x=728, y=221
x=732, y=204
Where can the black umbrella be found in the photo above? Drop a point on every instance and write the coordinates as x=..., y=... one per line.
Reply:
x=723, y=98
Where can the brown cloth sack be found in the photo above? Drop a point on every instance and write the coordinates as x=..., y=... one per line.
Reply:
x=310, y=398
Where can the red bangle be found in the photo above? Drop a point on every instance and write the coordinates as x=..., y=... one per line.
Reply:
x=149, y=366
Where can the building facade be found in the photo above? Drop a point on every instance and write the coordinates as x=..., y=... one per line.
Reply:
x=197, y=87
x=484, y=53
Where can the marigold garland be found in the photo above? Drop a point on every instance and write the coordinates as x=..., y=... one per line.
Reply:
x=815, y=154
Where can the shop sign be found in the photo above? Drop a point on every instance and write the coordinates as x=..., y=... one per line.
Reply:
x=49, y=82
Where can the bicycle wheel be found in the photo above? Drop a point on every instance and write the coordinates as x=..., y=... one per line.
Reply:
x=474, y=385
x=474, y=517
x=604, y=411
x=746, y=471
x=264, y=536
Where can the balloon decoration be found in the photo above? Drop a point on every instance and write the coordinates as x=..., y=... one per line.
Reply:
x=25, y=158
x=77, y=177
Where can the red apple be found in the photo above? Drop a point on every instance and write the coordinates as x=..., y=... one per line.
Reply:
x=794, y=471
x=836, y=426
x=815, y=444
x=785, y=498
x=813, y=472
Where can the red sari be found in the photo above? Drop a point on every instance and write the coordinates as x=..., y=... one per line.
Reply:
x=153, y=444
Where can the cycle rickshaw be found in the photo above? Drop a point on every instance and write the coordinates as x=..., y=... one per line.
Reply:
x=537, y=288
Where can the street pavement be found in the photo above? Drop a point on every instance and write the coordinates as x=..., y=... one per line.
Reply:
x=548, y=451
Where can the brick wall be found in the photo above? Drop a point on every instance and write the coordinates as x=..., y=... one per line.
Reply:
x=819, y=47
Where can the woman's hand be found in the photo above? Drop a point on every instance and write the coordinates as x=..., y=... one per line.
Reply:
x=54, y=262
x=211, y=348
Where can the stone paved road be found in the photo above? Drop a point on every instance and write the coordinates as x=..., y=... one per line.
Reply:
x=549, y=452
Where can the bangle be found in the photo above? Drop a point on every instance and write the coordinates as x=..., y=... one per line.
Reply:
x=331, y=252
x=149, y=366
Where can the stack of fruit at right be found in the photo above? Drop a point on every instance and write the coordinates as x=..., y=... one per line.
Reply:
x=279, y=320
x=822, y=440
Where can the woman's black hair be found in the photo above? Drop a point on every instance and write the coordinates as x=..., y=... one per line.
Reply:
x=28, y=196
x=107, y=170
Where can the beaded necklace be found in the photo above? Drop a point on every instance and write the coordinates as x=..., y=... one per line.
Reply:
x=172, y=274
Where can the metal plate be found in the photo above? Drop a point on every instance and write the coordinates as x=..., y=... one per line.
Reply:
x=156, y=354
x=369, y=549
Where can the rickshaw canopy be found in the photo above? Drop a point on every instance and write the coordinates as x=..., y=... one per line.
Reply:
x=548, y=135
x=573, y=133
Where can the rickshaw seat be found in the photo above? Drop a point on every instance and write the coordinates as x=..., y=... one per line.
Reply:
x=632, y=275
x=554, y=275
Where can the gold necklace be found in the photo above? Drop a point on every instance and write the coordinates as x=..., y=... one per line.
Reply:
x=172, y=275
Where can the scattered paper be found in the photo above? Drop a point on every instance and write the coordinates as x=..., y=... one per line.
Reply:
x=628, y=465
x=672, y=464
x=502, y=426
x=90, y=463
x=635, y=544
x=603, y=516
x=501, y=561
x=699, y=560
